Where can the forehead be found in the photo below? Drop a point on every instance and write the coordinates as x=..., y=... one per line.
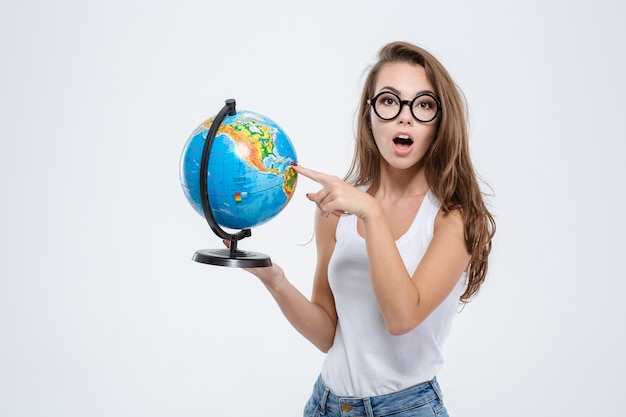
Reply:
x=406, y=78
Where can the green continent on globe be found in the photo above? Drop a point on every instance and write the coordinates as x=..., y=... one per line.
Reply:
x=254, y=141
x=291, y=178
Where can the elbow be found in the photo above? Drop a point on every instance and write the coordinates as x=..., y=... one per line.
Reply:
x=400, y=321
x=324, y=347
x=401, y=327
x=399, y=331
x=324, y=343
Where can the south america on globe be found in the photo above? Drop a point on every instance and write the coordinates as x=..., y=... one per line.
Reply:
x=250, y=178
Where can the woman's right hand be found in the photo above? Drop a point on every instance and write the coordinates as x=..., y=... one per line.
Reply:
x=271, y=276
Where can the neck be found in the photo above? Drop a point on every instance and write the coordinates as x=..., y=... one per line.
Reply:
x=402, y=183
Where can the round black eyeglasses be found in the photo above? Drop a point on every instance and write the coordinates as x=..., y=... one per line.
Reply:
x=387, y=106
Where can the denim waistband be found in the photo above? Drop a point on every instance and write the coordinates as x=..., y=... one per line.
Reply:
x=376, y=405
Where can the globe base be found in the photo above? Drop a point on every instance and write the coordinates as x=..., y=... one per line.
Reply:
x=235, y=259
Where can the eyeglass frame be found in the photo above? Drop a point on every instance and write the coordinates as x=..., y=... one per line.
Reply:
x=372, y=100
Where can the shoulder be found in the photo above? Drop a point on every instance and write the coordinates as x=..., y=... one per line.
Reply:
x=450, y=222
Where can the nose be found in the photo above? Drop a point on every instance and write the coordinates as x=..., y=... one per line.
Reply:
x=405, y=115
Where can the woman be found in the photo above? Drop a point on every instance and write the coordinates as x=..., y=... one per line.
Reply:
x=400, y=241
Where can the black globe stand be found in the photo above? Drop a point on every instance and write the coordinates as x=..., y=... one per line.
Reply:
x=231, y=256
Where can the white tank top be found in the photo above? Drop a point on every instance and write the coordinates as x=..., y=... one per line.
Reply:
x=365, y=360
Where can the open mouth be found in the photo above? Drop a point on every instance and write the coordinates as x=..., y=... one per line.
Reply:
x=403, y=140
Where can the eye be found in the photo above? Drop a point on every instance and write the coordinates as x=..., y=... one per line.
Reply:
x=424, y=103
x=388, y=100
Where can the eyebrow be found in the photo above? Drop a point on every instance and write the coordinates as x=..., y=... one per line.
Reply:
x=396, y=91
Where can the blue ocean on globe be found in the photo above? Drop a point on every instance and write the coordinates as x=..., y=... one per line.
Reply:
x=250, y=178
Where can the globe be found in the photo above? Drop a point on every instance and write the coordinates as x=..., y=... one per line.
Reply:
x=250, y=178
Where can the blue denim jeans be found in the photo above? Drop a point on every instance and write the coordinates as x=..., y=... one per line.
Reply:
x=422, y=400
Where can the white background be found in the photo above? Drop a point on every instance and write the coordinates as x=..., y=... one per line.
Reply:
x=102, y=311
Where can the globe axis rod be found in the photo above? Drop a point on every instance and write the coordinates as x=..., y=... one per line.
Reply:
x=233, y=257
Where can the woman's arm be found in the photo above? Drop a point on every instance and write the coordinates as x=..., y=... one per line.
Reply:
x=404, y=300
x=316, y=320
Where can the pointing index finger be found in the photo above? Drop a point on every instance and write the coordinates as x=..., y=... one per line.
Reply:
x=316, y=176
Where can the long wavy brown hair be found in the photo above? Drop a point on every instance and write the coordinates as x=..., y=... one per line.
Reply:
x=449, y=170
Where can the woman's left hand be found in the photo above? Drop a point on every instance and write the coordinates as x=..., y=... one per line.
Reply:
x=337, y=196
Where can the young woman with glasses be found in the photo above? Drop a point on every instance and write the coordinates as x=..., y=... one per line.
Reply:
x=401, y=240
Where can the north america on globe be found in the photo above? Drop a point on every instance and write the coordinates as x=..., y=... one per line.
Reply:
x=250, y=178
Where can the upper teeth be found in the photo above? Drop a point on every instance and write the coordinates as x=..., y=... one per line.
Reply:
x=403, y=137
